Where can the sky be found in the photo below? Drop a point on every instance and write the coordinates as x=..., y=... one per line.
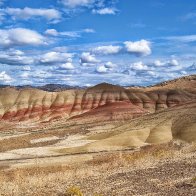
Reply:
x=86, y=42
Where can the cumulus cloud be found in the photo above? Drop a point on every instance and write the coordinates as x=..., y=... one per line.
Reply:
x=172, y=62
x=54, y=32
x=27, y=13
x=104, y=11
x=4, y=77
x=101, y=7
x=139, y=48
x=158, y=63
x=110, y=65
x=55, y=57
x=139, y=66
x=106, y=67
x=88, y=59
x=67, y=66
x=25, y=75
x=110, y=49
x=20, y=37
x=26, y=68
x=15, y=57
x=153, y=74
x=77, y=3
x=101, y=69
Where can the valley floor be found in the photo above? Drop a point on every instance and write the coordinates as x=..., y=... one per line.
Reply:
x=166, y=169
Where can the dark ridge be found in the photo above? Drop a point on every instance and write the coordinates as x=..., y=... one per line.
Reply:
x=47, y=87
x=106, y=86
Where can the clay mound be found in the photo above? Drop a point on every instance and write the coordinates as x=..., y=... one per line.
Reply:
x=121, y=110
x=177, y=123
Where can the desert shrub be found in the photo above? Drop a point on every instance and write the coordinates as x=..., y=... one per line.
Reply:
x=74, y=191
x=193, y=179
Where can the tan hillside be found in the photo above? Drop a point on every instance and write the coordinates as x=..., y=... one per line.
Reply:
x=38, y=105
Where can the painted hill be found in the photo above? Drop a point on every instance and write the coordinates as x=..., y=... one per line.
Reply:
x=38, y=105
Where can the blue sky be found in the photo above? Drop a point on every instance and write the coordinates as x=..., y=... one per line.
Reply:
x=85, y=42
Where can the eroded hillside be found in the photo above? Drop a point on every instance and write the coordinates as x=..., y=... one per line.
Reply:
x=37, y=105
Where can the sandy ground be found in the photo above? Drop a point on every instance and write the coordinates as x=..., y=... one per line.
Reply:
x=70, y=141
x=167, y=169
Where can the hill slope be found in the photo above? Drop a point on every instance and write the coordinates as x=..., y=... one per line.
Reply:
x=37, y=105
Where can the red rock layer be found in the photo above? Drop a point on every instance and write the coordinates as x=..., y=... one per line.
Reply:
x=33, y=104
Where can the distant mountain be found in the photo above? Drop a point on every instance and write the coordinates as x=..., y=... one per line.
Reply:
x=47, y=87
x=57, y=87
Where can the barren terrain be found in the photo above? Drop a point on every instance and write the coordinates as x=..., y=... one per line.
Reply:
x=104, y=140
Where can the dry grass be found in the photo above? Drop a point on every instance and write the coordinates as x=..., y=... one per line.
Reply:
x=75, y=180
x=124, y=158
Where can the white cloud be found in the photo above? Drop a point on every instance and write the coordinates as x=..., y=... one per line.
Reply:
x=52, y=32
x=106, y=67
x=110, y=49
x=89, y=30
x=27, y=13
x=4, y=77
x=71, y=34
x=77, y=3
x=158, y=63
x=40, y=74
x=152, y=73
x=15, y=57
x=139, y=48
x=87, y=58
x=26, y=68
x=19, y=37
x=101, y=69
x=67, y=66
x=110, y=65
x=104, y=11
x=55, y=57
x=25, y=75
x=184, y=38
x=139, y=66
x=173, y=62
